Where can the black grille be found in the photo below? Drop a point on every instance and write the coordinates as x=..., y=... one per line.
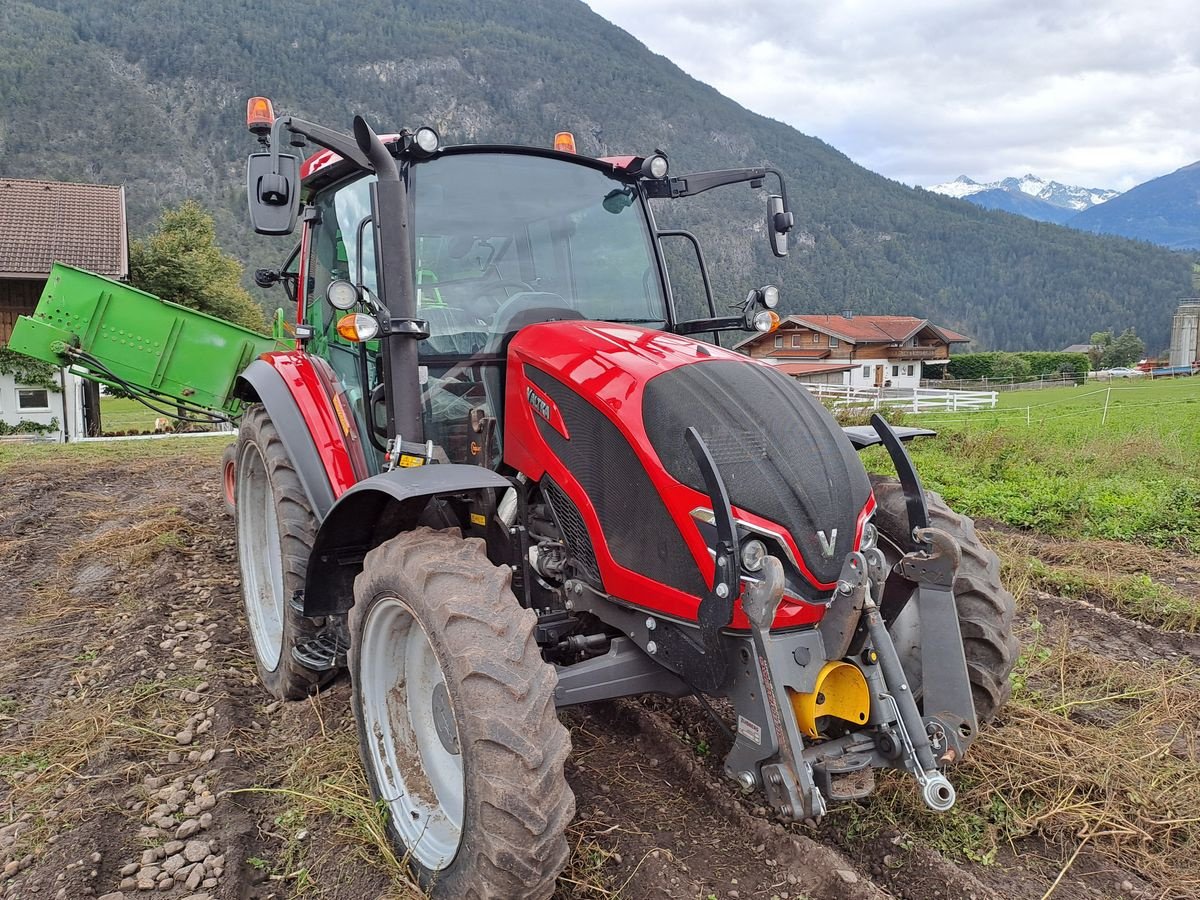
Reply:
x=575, y=532
x=638, y=530
x=781, y=455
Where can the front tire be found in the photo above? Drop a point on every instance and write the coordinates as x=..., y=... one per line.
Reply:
x=275, y=533
x=457, y=726
x=985, y=608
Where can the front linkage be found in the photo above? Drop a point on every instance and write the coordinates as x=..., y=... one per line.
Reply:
x=787, y=687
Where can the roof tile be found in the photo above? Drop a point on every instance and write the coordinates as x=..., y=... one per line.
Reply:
x=42, y=222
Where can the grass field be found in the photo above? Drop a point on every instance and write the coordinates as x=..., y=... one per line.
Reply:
x=1120, y=462
x=121, y=415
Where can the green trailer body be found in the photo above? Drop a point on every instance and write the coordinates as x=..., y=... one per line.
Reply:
x=101, y=328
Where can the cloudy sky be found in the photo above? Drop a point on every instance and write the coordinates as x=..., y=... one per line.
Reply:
x=1103, y=93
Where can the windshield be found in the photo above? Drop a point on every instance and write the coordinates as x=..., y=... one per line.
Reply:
x=503, y=240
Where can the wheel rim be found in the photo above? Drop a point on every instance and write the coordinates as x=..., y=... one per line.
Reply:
x=260, y=557
x=411, y=741
x=229, y=481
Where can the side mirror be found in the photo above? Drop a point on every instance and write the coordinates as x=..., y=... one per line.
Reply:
x=779, y=223
x=273, y=196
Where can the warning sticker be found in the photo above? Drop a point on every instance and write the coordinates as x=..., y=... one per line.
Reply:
x=749, y=730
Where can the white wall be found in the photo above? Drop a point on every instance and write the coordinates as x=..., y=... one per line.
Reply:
x=12, y=413
x=899, y=380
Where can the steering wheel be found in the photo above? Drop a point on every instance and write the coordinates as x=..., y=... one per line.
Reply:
x=510, y=286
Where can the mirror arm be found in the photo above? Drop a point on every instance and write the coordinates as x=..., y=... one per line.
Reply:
x=342, y=144
x=699, y=182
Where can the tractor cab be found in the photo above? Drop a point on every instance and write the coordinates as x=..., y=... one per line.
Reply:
x=501, y=239
x=482, y=242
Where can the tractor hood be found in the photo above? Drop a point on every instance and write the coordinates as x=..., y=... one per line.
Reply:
x=611, y=403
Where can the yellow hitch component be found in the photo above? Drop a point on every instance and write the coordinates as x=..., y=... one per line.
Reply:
x=841, y=692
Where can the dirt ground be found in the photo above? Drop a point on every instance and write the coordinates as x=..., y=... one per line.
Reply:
x=139, y=758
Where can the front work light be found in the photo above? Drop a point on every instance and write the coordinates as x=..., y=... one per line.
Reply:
x=426, y=140
x=654, y=166
x=341, y=295
x=770, y=296
x=358, y=327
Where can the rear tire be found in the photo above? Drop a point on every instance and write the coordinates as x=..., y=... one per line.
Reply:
x=457, y=726
x=275, y=532
x=985, y=608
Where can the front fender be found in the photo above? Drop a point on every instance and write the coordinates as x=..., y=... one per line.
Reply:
x=371, y=512
x=264, y=383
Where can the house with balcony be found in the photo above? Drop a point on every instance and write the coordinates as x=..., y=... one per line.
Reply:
x=43, y=222
x=854, y=350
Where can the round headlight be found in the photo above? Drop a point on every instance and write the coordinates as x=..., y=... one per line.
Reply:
x=754, y=554
x=770, y=296
x=870, y=536
x=341, y=294
x=656, y=166
x=426, y=138
x=766, y=320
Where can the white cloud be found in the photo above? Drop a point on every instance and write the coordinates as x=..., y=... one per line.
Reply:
x=1104, y=93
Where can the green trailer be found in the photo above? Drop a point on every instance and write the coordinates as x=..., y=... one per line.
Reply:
x=112, y=333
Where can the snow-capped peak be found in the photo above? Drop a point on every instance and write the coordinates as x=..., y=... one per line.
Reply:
x=1052, y=192
x=962, y=186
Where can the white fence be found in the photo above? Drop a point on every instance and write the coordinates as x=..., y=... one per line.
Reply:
x=913, y=400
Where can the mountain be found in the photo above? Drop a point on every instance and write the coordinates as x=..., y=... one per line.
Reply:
x=1055, y=202
x=151, y=93
x=1164, y=211
x=1021, y=204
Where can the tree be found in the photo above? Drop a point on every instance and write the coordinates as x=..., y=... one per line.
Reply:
x=1010, y=365
x=181, y=262
x=1124, y=350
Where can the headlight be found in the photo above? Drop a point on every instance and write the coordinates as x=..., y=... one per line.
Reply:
x=870, y=536
x=754, y=554
x=766, y=320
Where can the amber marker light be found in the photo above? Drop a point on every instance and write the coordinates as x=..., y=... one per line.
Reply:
x=260, y=115
x=564, y=142
x=358, y=327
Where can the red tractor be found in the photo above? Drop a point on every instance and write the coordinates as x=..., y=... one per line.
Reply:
x=498, y=476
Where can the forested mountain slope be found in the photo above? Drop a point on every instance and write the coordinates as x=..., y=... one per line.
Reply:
x=1165, y=211
x=152, y=93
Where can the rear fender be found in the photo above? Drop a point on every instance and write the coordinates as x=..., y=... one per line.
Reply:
x=301, y=408
x=373, y=511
